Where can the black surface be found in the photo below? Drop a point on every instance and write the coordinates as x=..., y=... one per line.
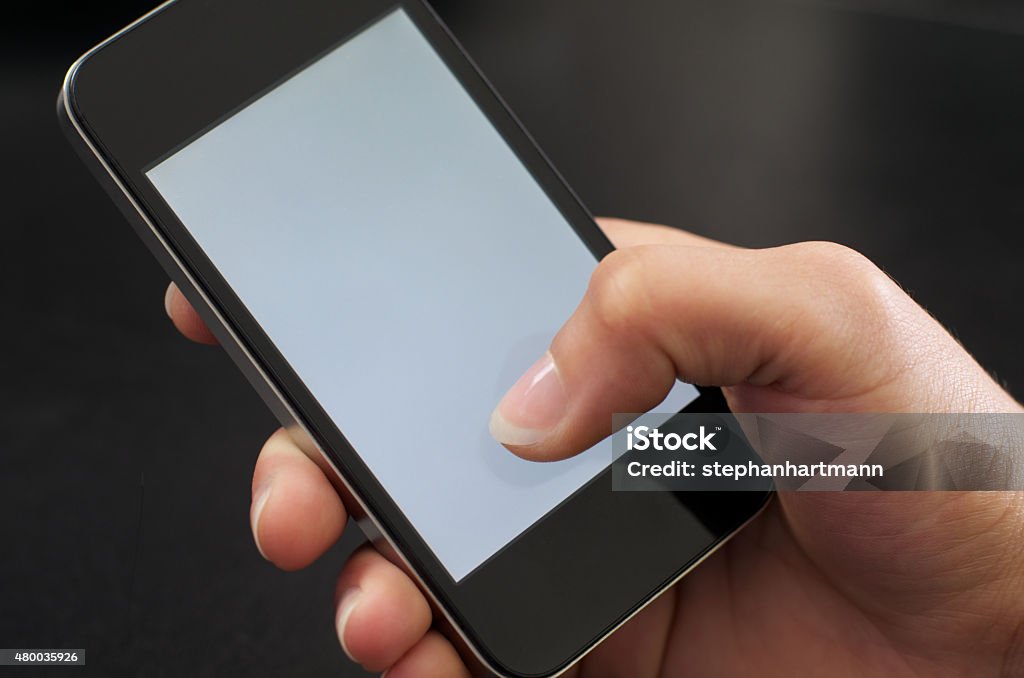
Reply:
x=754, y=122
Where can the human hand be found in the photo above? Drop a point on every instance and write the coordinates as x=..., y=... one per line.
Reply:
x=821, y=584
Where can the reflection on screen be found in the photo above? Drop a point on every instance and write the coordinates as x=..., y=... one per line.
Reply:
x=406, y=265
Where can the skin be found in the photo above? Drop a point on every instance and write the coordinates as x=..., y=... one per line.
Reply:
x=838, y=584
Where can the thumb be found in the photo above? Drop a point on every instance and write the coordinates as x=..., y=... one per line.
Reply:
x=807, y=327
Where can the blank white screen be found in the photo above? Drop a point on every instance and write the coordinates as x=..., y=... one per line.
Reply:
x=406, y=265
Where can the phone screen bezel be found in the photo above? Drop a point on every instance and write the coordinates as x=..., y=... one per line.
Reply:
x=189, y=66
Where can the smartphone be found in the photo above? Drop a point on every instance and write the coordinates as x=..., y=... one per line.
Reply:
x=382, y=249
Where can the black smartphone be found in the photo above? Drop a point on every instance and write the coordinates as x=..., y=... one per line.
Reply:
x=382, y=249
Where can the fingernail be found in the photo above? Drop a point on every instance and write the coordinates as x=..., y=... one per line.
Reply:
x=260, y=497
x=346, y=606
x=168, y=295
x=532, y=407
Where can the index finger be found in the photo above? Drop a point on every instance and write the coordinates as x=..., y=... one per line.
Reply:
x=625, y=233
x=185, y=317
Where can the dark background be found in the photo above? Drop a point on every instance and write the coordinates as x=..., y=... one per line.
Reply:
x=895, y=126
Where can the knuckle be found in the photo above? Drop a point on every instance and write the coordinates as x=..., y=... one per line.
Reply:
x=619, y=289
x=833, y=256
x=846, y=274
x=852, y=290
